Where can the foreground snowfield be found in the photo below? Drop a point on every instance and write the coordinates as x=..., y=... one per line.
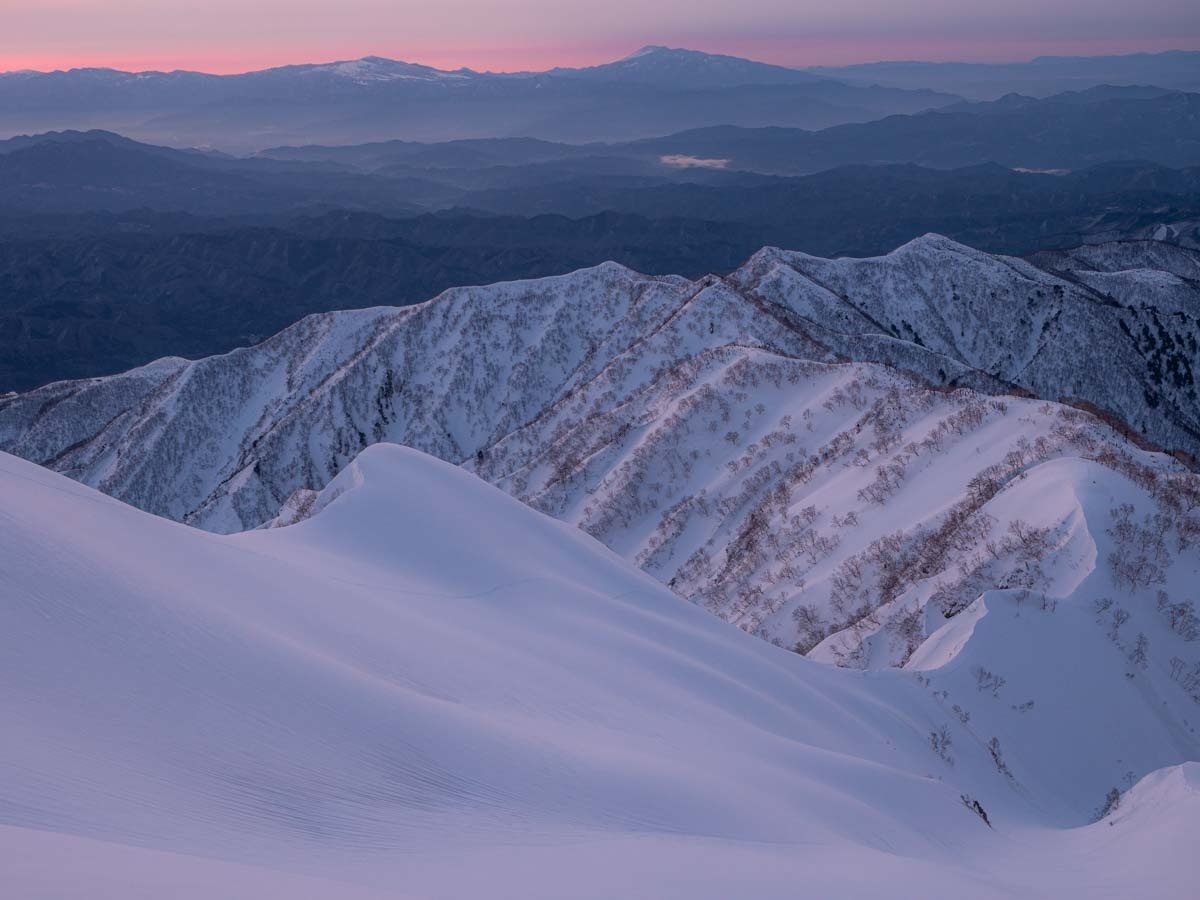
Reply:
x=428, y=689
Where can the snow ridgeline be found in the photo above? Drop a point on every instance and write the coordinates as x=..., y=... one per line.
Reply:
x=366, y=705
x=716, y=432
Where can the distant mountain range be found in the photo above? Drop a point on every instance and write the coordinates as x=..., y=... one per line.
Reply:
x=1066, y=131
x=113, y=253
x=75, y=171
x=857, y=210
x=1061, y=132
x=1074, y=127
x=655, y=91
x=1041, y=77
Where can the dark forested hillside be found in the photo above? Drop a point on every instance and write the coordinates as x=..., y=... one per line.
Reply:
x=91, y=304
x=96, y=293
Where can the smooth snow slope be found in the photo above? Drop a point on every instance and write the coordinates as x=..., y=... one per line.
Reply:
x=427, y=689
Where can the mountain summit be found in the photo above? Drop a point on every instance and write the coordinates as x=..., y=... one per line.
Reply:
x=659, y=65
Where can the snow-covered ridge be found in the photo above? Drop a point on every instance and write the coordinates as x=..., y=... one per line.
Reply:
x=782, y=447
x=366, y=705
x=376, y=68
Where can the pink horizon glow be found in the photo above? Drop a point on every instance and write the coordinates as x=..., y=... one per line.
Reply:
x=507, y=58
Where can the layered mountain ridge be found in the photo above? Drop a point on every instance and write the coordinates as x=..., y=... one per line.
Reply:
x=358, y=100
x=738, y=438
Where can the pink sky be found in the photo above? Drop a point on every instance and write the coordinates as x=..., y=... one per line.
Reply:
x=239, y=35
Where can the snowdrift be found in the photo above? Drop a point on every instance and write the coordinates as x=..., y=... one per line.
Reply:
x=427, y=689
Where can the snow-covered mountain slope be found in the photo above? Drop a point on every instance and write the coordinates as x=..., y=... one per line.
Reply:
x=818, y=505
x=1117, y=327
x=364, y=704
x=371, y=69
x=712, y=432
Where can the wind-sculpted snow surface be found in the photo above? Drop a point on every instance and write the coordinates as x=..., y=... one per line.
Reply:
x=371, y=704
x=783, y=447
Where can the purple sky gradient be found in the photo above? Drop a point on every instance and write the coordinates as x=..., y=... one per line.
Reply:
x=237, y=35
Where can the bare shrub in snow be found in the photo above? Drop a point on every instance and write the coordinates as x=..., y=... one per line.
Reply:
x=1141, y=554
x=1027, y=543
x=1112, y=800
x=1187, y=677
x=1181, y=617
x=888, y=479
x=1119, y=618
x=810, y=626
x=998, y=758
x=976, y=807
x=907, y=626
x=987, y=681
x=1140, y=654
x=940, y=741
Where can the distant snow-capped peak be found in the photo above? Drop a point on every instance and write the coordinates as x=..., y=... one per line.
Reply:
x=378, y=68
